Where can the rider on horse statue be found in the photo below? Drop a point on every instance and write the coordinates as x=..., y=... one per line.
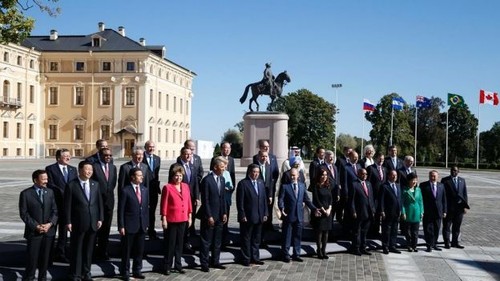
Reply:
x=268, y=79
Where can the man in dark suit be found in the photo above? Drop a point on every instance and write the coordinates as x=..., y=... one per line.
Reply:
x=390, y=210
x=104, y=173
x=457, y=204
x=435, y=208
x=266, y=176
x=351, y=175
x=318, y=160
x=405, y=170
x=362, y=208
x=212, y=215
x=137, y=157
x=38, y=210
x=84, y=216
x=99, y=144
x=195, y=159
x=392, y=162
x=291, y=200
x=60, y=173
x=225, y=152
x=251, y=202
x=133, y=221
x=153, y=163
x=377, y=175
x=191, y=171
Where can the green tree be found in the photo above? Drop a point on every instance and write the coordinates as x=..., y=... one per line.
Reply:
x=14, y=24
x=344, y=140
x=235, y=138
x=431, y=132
x=462, y=130
x=489, y=144
x=216, y=150
x=311, y=122
x=402, y=135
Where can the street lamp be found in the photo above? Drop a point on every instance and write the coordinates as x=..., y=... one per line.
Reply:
x=336, y=87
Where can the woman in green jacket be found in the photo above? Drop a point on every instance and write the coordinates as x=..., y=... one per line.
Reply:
x=413, y=211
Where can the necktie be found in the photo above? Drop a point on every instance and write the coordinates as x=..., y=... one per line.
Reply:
x=256, y=187
x=380, y=173
x=263, y=171
x=151, y=163
x=332, y=170
x=65, y=174
x=86, y=189
x=106, y=171
x=354, y=166
x=395, y=163
x=456, y=183
x=364, y=187
x=394, y=188
x=40, y=194
x=138, y=194
x=409, y=171
x=434, y=190
x=217, y=182
x=188, y=172
x=295, y=190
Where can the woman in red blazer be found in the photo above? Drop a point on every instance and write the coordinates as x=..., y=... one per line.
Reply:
x=175, y=214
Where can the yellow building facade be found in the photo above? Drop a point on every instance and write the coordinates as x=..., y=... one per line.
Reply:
x=107, y=86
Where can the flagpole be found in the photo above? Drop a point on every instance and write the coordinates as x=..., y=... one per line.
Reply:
x=363, y=135
x=446, y=163
x=392, y=124
x=478, y=126
x=416, y=120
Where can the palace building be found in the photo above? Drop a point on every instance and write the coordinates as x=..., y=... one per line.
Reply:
x=68, y=91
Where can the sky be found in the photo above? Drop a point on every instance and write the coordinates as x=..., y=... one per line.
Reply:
x=372, y=48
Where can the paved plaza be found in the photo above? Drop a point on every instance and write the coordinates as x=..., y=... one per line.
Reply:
x=480, y=260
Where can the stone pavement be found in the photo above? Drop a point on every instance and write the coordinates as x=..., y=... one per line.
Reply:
x=480, y=260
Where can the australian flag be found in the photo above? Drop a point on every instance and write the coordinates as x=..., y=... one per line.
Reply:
x=423, y=102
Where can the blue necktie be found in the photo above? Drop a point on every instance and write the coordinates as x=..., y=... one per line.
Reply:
x=65, y=174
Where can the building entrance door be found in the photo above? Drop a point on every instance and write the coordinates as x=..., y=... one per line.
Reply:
x=129, y=147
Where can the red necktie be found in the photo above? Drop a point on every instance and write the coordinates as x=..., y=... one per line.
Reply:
x=364, y=187
x=332, y=170
x=380, y=173
x=138, y=194
x=106, y=171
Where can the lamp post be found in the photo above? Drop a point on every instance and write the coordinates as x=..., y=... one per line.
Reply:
x=336, y=87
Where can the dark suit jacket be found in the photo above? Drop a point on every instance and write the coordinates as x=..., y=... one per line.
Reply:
x=197, y=166
x=81, y=213
x=375, y=180
x=433, y=207
x=213, y=203
x=124, y=179
x=58, y=185
x=360, y=203
x=402, y=174
x=34, y=213
x=456, y=198
x=336, y=180
x=131, y=215
x=389, y=202
x=313, y=168
x=230, y=168
x=154, y=184
x=350, y=177
x=286, y=178
x=389, y=166
x=95, y=158
x=275, y=169
x=251, y=205
x=194, y=184
x=107, y=187
x=294, y=206
x=268, y=180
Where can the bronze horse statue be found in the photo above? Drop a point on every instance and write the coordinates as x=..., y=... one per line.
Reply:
x=259, y=88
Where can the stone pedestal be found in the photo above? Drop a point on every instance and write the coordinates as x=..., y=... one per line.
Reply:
x=271, y=126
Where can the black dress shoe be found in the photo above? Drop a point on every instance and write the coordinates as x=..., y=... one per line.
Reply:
x=394, y=250
x=245, y=263
x=365, y=252
x=219, y=266
x=61, y=258
x=258, y=262
x=436, y=248
x=415, y=249
x=205, y=269
x=181, y=271
x=167, y=272
x=126, y=277
x=356, y=252
x=325, y=257
x=385, y=250
x=138, y=275
x=429, y=249
x=457, y=246
x=297, y=259
x=286, y=260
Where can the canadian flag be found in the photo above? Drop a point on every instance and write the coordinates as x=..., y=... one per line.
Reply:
x=486, y=97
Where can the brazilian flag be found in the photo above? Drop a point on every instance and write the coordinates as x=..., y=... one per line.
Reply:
x=455, y=100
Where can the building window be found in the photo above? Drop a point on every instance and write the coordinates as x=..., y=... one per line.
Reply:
x=54, y=66
x=166, y=105
x=5, y=129
x=175, y=104
x=187, y=107
x=5, y=152
x=18, y=130
x=96, y=42
x=187, y=135
x=19, y=91
x=53, y=96
x=105, y=96
x=79, y=96
x=19, y=60
x=80, y=66
x=52, y=132
x=32, y=64
x=173, y=136
x=159, y=100
x=106, y=66
x=18, y=152
x=105, y=132
x=166, y=135
x=130, y=66
x=78, y=132
x=180, y=105
x=52, y=151
x=31, y=129
x=31, y=152
x=151, y=98
x=6, y=57
x=32, y=94
x=150, y=132
x=78, y=152
x=6, y=89
x=130, y=96
x=159, y=135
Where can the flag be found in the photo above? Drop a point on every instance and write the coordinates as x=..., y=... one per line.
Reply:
x=398, y=103
x=455, y=100
x=423, y=102
x=368, y=106
x=486, y=97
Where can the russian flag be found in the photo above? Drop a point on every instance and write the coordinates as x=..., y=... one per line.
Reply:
x=368, y=106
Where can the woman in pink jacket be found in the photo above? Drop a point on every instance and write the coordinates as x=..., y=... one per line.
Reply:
x=175, y=214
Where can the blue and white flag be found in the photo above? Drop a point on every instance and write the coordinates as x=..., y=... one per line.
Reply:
x=398, y=103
